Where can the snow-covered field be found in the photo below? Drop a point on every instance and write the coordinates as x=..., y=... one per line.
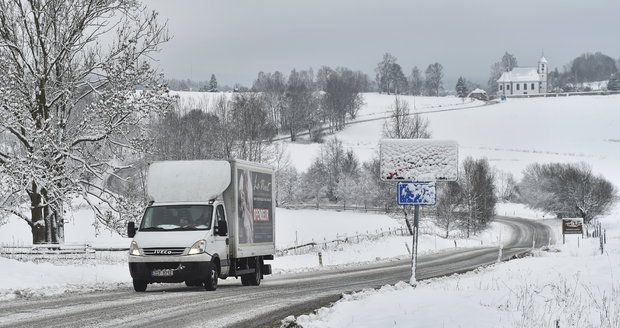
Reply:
x=576, y=286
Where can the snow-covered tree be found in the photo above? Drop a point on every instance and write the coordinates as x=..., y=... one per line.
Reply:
x=213, y=84
x=75, y=89
x=567, y=189
x=461, y=88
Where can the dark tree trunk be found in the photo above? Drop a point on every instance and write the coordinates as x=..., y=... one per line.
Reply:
x=37, y=216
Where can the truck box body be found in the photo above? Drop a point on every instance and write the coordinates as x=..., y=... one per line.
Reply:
x=249, y=199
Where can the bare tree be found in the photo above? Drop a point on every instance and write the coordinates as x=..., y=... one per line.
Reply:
x=505, y=185
x=434, y=79
x=385, y=73
x=195, y=135
x=348, y=183
x=374, y=191
x=68, y=96
x=449, y=206
x=505, y=64
x=402, y=124
x=300, y=103
x=416, y=82
x=251, y=123
x=314, y=181
x=273, y=87
x=567, y=189
x=478, y=194
x=227, y=134
x=341, y=97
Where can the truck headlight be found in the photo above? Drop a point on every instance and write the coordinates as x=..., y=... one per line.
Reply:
x=198, y=247
x=134, y=249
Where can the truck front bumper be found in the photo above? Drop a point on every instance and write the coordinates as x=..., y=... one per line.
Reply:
x=181, y=271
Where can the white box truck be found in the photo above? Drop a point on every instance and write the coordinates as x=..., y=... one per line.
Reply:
x=206, y=220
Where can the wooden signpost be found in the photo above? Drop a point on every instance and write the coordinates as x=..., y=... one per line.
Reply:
x=571, y=227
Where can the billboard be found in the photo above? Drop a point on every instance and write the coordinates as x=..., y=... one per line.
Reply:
x=416, y=193
x=421, y=160
x=572, y=226
x=254, y=205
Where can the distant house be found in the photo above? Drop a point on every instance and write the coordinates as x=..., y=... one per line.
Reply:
x=478, y=94
x=524, y=80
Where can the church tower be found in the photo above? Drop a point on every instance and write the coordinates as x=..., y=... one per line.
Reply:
x=542, y=73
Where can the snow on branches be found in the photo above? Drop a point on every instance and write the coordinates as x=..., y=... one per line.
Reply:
x=76, y=92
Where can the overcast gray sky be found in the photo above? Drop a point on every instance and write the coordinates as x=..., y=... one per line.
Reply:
x=235, y=39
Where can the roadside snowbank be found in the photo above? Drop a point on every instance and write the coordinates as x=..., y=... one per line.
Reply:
x=28, y=279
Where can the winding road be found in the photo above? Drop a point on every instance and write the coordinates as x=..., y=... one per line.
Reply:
x=233, y=305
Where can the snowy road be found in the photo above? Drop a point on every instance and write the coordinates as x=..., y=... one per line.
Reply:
x=236, y=306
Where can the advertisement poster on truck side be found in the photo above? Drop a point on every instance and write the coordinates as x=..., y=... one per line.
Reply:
x=255, y=204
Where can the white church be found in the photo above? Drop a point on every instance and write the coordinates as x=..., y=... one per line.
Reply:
x=524, y=80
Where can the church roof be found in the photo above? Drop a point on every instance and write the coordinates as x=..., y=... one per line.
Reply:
x=520, y=74
x=543, y=60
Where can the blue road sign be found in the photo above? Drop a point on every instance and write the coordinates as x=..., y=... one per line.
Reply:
x=416, y=193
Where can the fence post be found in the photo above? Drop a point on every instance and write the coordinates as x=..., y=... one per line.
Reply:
x=320, y=259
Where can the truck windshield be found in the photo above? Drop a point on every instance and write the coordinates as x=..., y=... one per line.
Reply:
x=177, y=217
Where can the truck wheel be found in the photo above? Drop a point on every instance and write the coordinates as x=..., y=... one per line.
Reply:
x=139, y=285
x=211, y=281
x=252, y=279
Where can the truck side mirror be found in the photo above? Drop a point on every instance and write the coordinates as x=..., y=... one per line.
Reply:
x=222, y=228
x=131, y=229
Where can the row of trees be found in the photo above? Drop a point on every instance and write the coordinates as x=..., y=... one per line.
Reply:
x=304, y=102
x=202, y=86
x=391, y=79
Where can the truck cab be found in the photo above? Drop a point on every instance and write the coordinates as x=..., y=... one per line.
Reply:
x=180, y=242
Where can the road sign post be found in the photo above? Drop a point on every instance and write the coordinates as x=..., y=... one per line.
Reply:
x=421, y=161
x=572, y=226
x=414, y=254
x=416, y=194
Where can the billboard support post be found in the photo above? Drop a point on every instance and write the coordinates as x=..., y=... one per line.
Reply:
x=414, y=253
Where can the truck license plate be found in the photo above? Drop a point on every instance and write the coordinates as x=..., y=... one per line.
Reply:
x=163, y=273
